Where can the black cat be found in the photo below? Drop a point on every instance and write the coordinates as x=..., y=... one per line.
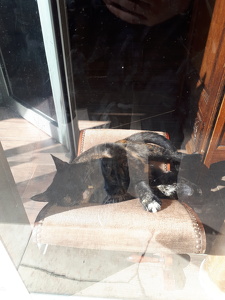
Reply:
x=114, y=172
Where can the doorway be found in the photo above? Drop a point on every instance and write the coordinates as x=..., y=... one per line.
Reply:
x=32, y=74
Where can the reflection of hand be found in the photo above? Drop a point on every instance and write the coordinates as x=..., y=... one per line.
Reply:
x=146, y=12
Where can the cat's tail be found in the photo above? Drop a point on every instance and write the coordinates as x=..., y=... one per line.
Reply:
x=151, y=138
x=170, y=152
x=159, y=147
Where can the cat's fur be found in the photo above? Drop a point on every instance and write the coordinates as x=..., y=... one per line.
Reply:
x=114, y=172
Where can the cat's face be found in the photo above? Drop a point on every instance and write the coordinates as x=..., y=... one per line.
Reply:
x=64, y=189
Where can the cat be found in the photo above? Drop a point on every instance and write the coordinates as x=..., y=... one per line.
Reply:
x=115, y=172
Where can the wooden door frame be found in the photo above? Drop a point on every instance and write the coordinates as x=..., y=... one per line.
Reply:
x=210, y=81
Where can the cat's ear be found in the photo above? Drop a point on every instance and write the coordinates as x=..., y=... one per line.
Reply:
x=40, y=197
x=59, y=164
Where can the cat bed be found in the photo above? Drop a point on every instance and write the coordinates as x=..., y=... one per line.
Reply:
x=121, y=226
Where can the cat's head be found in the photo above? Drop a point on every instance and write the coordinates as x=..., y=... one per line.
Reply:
x=63, y=190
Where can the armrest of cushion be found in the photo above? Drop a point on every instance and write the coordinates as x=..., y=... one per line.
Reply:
x=123, y=226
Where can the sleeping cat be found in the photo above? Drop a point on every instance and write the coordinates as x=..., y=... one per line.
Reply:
x=115, y=172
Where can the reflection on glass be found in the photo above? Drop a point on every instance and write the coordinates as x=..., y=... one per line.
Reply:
x=128, y=61
x=23, y=55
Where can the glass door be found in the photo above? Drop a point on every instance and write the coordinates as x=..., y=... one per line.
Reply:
x=35, y=76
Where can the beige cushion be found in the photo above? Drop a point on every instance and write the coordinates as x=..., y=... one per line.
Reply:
x=121, y=226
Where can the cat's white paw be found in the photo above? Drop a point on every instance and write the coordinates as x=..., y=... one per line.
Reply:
x=154, y=206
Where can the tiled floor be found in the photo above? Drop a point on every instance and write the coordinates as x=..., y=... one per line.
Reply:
x=82, y=272
x=28, y=153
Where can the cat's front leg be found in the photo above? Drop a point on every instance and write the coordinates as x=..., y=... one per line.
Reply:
x=149, y=201
x=139, y=175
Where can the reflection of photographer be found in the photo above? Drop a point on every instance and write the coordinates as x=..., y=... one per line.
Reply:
x=129, y=54
x=146, y=12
